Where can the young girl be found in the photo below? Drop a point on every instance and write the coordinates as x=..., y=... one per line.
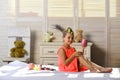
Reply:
x=70, y=60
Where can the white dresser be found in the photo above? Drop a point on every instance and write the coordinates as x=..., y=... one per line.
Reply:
x=48, y=51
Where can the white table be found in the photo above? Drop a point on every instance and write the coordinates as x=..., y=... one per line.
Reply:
x=20, y=72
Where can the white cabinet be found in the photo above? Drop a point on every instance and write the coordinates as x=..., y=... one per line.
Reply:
x=48, y=51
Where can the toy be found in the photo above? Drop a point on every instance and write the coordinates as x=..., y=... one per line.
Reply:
x=79, y=36
x=31, y=66
x=49, y=37
x=18, y=51
x=37, y=67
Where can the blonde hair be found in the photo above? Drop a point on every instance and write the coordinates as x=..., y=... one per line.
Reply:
x=69, y=30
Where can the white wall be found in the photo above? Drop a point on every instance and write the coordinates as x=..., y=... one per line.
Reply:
x=4, y=22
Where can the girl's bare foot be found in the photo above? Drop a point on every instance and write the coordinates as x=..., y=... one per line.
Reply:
x=105, y=70
x=94, y=70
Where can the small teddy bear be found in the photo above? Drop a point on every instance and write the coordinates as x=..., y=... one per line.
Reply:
x=49, y=37
x=18, y=51
x=79, y=35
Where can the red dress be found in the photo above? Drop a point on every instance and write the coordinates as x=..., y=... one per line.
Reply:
x=71, y=67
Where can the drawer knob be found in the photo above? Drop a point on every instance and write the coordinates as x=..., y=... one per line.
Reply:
x=50, y=51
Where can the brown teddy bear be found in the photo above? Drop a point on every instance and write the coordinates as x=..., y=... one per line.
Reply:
x=79, y=35
x=18, y=51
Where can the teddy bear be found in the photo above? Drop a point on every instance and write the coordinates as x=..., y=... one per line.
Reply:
x=79, y=35
x=18, y=51
x=49, y=37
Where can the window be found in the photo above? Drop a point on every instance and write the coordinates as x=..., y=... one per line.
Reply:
x=114, y=9
x=26, y=8
x=63, y=8
x=60, y=8
x=91, y=8
x=12, y=7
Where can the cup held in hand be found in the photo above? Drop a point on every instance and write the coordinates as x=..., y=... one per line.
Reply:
x=84, y=43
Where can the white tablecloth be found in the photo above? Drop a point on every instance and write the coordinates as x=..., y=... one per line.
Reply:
x=19, y=71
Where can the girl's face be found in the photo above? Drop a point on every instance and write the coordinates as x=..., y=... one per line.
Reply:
x=68, y=39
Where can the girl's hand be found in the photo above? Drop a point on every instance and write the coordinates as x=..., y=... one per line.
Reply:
x=81, y=53
x=83, y=49
x=77, y=54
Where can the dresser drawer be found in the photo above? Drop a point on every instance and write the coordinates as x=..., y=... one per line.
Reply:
x=49, y=61
x=49, y=51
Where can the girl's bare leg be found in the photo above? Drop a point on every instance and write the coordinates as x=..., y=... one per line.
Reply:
x=97, y=67
x=84, y=62
x=100, y=68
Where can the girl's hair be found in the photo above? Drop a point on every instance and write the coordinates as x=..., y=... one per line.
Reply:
x=68, y=30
